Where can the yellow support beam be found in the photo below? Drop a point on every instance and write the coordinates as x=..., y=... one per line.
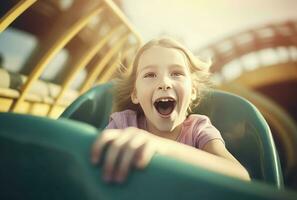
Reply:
x=14, y=12
x=99, y=67
x=114, y=8
x=109, y=71
x=82, y=63
x=55, y=48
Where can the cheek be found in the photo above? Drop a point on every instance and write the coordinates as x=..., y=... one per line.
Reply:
x=187, y=86
x=185, y=91
x=143, y=91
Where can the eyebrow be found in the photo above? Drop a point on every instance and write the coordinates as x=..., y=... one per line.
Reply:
x=153, y=66
x=176, y=65
x=146, y=67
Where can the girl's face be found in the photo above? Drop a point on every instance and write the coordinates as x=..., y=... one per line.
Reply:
x=163, y=88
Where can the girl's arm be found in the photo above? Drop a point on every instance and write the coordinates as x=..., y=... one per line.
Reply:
x=214, y=157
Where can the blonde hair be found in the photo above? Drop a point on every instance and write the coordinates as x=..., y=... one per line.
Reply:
x=124, y=84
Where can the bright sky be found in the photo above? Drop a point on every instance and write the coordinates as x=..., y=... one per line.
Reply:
x=200, y=22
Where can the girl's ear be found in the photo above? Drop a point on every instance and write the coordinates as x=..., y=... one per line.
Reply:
x=134, y=98
x=194, y=94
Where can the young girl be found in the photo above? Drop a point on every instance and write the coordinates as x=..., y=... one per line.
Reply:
x=153, y=101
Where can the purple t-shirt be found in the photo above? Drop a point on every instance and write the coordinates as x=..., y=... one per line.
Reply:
x=196, y=131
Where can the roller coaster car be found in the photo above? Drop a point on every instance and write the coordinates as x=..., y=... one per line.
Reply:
x=43, y=158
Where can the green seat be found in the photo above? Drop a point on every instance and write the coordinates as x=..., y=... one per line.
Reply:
x=48, y=159
x=243, y=128
x=93, y=107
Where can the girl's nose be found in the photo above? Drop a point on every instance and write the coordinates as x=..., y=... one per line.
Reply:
x=164, y=85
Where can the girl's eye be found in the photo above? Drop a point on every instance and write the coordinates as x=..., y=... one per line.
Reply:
x=177, y=74
x=150, y=75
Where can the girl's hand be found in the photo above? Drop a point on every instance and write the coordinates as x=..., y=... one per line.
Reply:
x=126, y=148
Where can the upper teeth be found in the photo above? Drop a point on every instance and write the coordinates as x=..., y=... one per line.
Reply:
x=165, y=99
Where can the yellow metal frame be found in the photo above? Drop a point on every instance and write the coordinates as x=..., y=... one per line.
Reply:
x=56, y=47
x=114, y=8
x=14, y=12
x=103, y=68
x=82, y=63
x=99, y=66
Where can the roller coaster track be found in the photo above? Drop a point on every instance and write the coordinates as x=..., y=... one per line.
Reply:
x=252, y=40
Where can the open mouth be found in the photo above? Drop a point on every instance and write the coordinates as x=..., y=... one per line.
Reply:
x=165, y=106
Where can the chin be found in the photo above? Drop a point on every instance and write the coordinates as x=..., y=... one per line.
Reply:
x=165, y=128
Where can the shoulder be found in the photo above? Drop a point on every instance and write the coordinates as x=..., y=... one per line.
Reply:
x=124, y=113
x=202, y=130
x=123, y=119
x=199, y=125
x=196, y=119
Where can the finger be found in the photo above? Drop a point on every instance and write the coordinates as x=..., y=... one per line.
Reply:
x=127, y=158
x=124, y=166
x=145, y=156
x=105, y=138
x=113, y=155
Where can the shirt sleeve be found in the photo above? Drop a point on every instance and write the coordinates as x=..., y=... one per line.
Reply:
x=204, y=132
x=121, y=120
x=111, y=125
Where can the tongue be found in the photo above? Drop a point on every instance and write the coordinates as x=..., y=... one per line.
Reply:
x=164, y=108
x=165, y=111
